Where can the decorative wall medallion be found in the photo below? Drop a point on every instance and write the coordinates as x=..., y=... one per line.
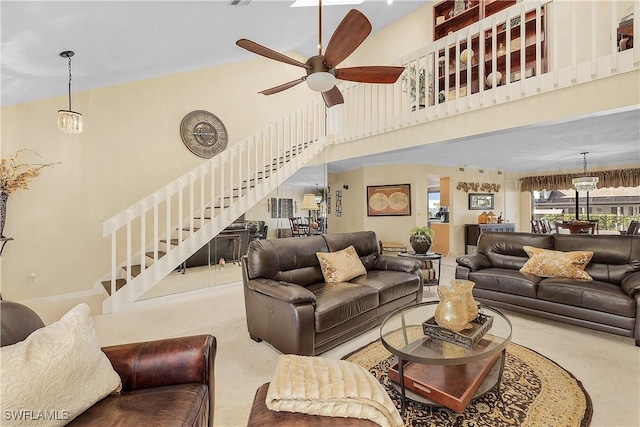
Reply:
x=203, y=133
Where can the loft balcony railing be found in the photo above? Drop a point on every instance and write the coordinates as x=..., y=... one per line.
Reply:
x=568, y=43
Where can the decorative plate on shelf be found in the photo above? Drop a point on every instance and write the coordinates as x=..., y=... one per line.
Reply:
x=203, y=133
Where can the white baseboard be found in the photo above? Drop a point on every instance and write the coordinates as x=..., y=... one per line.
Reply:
x=61, y=297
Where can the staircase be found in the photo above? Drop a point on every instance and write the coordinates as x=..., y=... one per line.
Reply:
x=154, y=236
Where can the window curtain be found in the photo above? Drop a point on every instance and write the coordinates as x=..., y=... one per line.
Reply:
x=608, y=179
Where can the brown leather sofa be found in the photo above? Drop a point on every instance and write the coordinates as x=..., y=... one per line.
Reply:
x=166, y=382
x=610, y=303
x=289, y=305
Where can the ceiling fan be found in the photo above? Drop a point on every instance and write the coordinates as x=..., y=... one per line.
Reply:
x=321, y=69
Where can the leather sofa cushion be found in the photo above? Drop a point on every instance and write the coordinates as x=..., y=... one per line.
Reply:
x=508, y=252
x=592, y=295
x=390, y=285
x=176, y=405
x=614, y=257
x=291, y=259
x=339, y=302
x=365, y=243
x=505, y=280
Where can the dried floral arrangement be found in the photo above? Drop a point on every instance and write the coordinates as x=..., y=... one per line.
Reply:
x=15, y=175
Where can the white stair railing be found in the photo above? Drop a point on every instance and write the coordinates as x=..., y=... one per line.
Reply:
x=155, y=235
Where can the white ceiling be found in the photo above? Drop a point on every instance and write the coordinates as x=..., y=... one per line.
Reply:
x=122, y=41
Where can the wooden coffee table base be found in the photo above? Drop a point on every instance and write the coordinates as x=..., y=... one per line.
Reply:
x=453, y=386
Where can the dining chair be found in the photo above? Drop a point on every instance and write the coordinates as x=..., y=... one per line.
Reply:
x=634, y=228
x=298, y=226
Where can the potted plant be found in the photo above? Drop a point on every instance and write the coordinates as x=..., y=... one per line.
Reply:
x=251, y=225
x=421, y=239
x=414, y=83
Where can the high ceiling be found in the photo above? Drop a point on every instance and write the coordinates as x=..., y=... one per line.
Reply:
x=122, y=41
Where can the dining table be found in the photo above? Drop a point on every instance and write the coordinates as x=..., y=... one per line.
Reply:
x=576, y=227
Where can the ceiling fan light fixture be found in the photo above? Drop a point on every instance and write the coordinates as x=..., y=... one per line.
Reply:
x=321, y=81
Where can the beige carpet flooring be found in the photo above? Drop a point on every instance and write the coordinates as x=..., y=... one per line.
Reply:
x=607, y=365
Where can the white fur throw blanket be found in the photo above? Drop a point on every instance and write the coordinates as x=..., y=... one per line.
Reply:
x=337, y=388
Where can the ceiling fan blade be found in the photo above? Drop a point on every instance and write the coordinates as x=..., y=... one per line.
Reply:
x=333, y=97
x=282, y=87
x=354, y=28
x=269, y=53
x=370, y=74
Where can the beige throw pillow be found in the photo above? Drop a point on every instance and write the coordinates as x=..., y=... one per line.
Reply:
x=55, y=374
x=340, y=266
x=548, y=263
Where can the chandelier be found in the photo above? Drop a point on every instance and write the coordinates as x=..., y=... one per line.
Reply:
x=585, y=183
x=69, y=121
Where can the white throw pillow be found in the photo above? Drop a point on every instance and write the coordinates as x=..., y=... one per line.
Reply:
x=55, y=374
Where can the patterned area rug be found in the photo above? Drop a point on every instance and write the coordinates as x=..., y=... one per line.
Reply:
x=535, y=391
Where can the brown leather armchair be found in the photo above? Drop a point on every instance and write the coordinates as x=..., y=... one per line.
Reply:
x=166, y=382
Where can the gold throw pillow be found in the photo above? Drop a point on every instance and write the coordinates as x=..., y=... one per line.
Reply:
x=340, y=266
x=548, y=263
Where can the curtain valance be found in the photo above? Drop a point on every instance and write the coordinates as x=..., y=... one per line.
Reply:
x=612, y=178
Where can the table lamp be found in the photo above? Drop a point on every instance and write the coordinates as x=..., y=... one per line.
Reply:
x=309, y=202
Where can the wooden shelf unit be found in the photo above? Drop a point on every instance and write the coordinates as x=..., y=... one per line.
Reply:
x=479, y=10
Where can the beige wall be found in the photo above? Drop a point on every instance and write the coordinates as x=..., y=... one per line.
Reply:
x=129, y=148
x=396, y=228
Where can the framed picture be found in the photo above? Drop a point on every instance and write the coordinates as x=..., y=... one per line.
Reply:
x=480, y=201
x=389, y=200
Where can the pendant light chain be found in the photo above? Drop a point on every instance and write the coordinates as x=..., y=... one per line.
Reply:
x=70, y=83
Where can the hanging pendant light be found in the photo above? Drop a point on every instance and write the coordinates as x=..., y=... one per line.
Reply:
x=69, y=121
x=585, y=183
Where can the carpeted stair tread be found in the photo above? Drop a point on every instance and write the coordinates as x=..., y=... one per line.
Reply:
x=160, y=254
x=135, y=270
x=119, y=284
x=174, y=242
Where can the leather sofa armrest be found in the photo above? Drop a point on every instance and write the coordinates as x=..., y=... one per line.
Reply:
x=283, y=291
x=385, y=262
x=631, y=283
x=474, y=262
x=165, y=362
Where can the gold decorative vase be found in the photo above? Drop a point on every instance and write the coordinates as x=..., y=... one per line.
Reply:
x=456, y=307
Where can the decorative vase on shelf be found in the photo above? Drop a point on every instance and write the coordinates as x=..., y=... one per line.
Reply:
x=466, y=54
x=482, y=218
x=456, y=307
x=489, y=79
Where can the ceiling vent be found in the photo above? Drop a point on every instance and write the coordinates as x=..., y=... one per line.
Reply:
x=239, y=2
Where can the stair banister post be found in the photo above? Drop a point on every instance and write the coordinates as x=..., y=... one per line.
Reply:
x=143, y=229
x=192, y=180
x=156, y=230
x=113, y=271
x=203, y=173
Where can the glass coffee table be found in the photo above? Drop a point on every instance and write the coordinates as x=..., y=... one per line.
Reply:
x=437, y=372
